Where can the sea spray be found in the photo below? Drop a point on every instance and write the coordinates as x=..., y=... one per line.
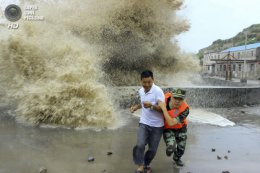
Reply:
x=54, y=79
x=134, y=35
x=59, y=70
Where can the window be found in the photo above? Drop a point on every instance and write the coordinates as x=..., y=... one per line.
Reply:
x=252, y=67
x=218, y=56
x=220, y=68
x=229, y=67
x=238, y=55
x=252, y=53
x=224, y=68
x=234, y=67
x=239, y=67
x=208, y=68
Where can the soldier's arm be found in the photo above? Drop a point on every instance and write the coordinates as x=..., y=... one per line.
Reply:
x=171, y=121
x=160, y=98
x=183, y=115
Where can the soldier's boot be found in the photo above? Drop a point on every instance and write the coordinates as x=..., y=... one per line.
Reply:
x=178, y=161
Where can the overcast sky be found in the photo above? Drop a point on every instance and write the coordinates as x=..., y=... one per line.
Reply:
x=216, y=19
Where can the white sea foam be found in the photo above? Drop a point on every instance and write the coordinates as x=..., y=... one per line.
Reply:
x=202, y=116
x=206, y=117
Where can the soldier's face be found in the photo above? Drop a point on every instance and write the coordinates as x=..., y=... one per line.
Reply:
x=147, y=83
x=177, y=102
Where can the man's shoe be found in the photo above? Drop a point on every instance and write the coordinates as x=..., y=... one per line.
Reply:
x=179, y=162
x=147, y=169
x=169, y=151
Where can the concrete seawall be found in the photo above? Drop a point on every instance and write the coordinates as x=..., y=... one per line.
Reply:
x=201, y=96
x=217, y=81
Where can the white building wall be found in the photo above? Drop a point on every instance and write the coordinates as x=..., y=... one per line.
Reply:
x=253, y=71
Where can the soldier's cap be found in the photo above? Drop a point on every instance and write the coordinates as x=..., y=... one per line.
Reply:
x=179, y=93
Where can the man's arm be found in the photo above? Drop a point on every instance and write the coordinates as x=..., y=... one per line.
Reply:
x=137, y=103
x=135, y=107
x=157, y=108
x=152, y=107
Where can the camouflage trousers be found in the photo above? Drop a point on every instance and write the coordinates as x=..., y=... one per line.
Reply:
x=175, y=139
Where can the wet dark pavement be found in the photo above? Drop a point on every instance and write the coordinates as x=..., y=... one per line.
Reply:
x=24, y=149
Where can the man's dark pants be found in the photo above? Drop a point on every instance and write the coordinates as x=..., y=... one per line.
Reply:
x=146, y=135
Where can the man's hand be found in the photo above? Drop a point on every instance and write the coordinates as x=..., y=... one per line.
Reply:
x=133, y=108
x=147, y=104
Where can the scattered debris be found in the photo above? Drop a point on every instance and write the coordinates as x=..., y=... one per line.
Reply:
x=219, y=157
x=226, y=157
x=242, y=112
x=229, y=151
x=104, y=170
x=213, y=149
x=225, y=172
x=91, y=159
x=42, y=170
x=109, y=153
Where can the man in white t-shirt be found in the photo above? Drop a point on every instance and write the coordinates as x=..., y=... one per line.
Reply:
x=151, y=122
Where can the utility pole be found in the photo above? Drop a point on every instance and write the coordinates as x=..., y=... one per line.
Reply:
x=244, y=76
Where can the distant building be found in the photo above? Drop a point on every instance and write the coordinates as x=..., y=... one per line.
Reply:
x=232, y=60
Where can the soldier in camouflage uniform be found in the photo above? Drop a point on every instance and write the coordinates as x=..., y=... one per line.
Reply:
x=175, y=111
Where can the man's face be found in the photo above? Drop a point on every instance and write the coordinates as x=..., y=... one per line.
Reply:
x=176, y=102
x=147, y=83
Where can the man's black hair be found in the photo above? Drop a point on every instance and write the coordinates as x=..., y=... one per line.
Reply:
x=146, y=73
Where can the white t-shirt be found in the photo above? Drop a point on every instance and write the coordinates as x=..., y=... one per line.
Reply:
x=150, y=117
